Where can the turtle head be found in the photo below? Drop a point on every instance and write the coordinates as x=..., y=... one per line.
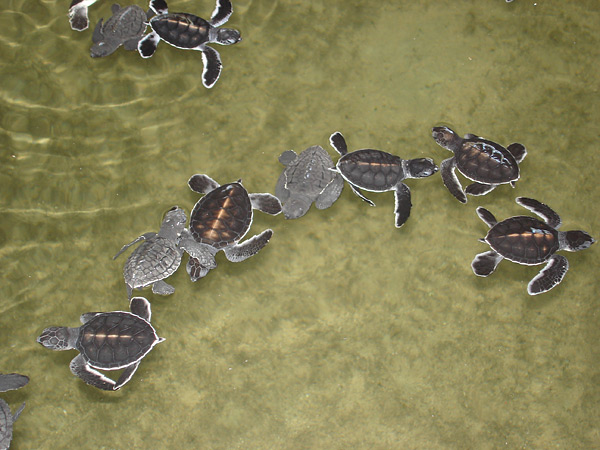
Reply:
x=445, y=137
x=228, y=36
x=173, y=223
x=577, y=240
x=102, y=48
x=421, y=167
x=58, y=338
x=296, y=207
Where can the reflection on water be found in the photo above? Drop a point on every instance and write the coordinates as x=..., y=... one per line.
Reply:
x=344, y=332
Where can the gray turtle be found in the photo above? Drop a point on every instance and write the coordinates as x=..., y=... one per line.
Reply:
x=125, y=27
x=530, y=241
x=307, y=178
x=9, y=382
x=379, y=171
x=190, y=32
x=78, y=14
x=220, y=220
x=106, y=341
x=158, y=257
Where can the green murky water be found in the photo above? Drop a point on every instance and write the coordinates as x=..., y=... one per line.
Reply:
x=344, y=332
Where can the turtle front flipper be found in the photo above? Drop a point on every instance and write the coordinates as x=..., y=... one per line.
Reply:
x=212, y=66
x=402, y=204
x=542, y=210
x=126, y=376
x=97, y=35
x=131, y=44
x=89, y=375
x=331, y=193
x=337, y=141
x=147, y=45
x=12, y=381
x=281, y=192
x=161, y=287
x=202, y=184
x=222, y=13
x=485, y=263
x=479, y=188
x=549, y=276
x=518, y=151
x=78, y=14
x=447, y=169
x=243, y=251
x=145, y=236
x=266, y=203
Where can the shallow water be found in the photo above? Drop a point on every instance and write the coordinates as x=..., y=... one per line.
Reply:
x=344, y=332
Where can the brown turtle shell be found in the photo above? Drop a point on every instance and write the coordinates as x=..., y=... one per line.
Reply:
x=181, y=30
x=114, y=340
x=486, y=162
x=523, y=239
x=222, y=217
x=372, y=170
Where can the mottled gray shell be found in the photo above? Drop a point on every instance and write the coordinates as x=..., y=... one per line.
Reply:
x=125, y=27
x=307, y=178
x=154, y=260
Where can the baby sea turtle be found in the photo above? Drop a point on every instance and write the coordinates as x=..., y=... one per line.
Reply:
x=78, y=14
x=158, y=257
x=190, y=32
x=527, y=240
x=221, y=219
x=125, y=27
x=307, y=178
x=9, y=382
x=377, y=171
x=486, y=163
x=106, y=341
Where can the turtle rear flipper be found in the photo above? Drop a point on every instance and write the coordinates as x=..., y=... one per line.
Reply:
x=486, y=216
x=518, y=151
x=126, y=376
x=222, y=13
x=161, y=287
x=145, y=236
x=337, y=141
x=360, y=194
x=212, y=66
x=266, y=203
x=485, y=263
x=147, y=45
x=549, y=276
x=402, y=204
x=89, y=375
x=479, y=188
x=447, y=169
x=243, y=251
x=331, y=193
x=287, y=157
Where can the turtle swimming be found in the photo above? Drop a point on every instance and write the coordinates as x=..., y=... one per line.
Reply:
x=221, y=219
x=379, y=171
x=158, y=257
x=125, y=27
x=78, y=14
x=9, y=382
x=307, y=178
x=530, y=241
x=190, y=32
x=106, y=341
x=484, y=162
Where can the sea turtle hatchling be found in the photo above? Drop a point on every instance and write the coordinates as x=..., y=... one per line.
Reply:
x=9, y=382
x=125, y=27
x=158, y=257
x=307, y=178
x=221, y=219
x=378, y=171
x=527, y=240
x=106, y=341
x=190, y=32
x=486, y=163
